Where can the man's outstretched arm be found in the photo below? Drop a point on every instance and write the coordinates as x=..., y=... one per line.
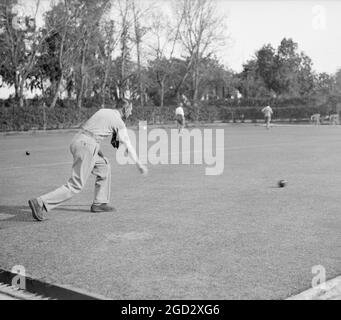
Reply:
x=124, y=138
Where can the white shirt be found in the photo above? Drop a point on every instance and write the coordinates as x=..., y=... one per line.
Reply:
x=104, y=122
x=267, y=111
x=180, y=111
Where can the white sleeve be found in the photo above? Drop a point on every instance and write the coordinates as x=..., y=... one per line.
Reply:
x=123, y=135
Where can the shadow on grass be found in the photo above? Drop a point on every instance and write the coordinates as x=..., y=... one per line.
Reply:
x=15, y=213
x=24, y=214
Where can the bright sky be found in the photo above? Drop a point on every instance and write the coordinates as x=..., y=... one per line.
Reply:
x=314, y=25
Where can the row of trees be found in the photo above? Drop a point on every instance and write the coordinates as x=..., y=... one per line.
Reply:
x=115, y=48
x=287, y=72
x=110, y=48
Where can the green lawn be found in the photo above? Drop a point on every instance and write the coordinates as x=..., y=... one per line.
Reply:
x=178, y=234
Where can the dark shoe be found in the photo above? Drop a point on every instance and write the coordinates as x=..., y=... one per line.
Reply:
x=37, y=210
x=102, y=208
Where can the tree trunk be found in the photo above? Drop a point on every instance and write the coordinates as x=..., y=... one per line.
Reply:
x=80, y=94
x=138, y=53
x=124, y=51
x=162, y=95
x=61, y=67
x=139, y=73
x=140, y=83
x=196, y=87
x=82, y=73
x=195, y=93
x=103, y=92
x=16, y=91
x=196, y=80
x=106, y=75
x=21, y=93
x=21, y=101
x=16, y=87
x=178, y=87
x=122, y=84
x=59, y=86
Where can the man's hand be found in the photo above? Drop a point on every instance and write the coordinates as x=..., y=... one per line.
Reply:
x=131, y=151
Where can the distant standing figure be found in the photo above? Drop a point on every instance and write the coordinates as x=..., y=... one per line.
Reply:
x=180, y=117
x=267, y=111
x=315, y=118
x=334, y=119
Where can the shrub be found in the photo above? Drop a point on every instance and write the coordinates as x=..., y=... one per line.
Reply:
x=67, y=115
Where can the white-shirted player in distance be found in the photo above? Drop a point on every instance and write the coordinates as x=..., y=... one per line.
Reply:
x=180, y=117
x=316, y=119
x=88, y=159
x=267, y=111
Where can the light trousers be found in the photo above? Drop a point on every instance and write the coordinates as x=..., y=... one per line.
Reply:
x=86, y=161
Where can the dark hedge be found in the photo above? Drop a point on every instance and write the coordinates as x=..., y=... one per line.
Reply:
x=67, y=115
